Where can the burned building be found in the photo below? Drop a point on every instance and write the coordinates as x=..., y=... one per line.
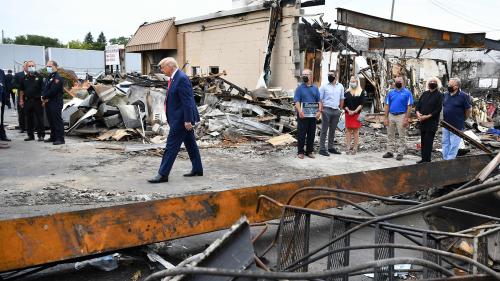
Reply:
x=479, y=71
x=234, y=41
x=154, y=41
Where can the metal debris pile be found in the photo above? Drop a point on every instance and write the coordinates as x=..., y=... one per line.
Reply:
x=135, y=108
x=112, y=112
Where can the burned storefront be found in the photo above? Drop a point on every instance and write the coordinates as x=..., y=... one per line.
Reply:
x=154, y=41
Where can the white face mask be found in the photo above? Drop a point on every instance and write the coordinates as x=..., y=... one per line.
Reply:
x=353, y=85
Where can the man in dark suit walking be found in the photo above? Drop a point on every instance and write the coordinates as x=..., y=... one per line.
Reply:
x=182, y=114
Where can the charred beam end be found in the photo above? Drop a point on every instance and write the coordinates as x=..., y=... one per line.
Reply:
x=377, y=24
x=465, y=137
x=490, y=44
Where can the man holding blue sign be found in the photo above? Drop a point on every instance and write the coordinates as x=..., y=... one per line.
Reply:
x=309, y=107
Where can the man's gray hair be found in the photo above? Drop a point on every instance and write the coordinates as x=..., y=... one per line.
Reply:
x=169, y=61
x=54, y=63
x=457, y=81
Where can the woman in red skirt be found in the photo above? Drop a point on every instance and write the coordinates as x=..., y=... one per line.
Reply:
x=353, y=104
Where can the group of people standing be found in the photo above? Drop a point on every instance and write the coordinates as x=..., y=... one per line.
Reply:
x=37, y=97
x=332, y=99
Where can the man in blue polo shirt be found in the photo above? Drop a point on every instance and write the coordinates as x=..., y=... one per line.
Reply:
x=456, y=108
x=306, y=94
x=397, y=109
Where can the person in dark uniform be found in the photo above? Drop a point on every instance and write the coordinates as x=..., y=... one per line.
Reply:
x=18, y=77
x=9, y=84
x=30, y=99
x=3, y=98
x=52, y=98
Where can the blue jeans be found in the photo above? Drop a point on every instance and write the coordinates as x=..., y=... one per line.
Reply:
x=450, y=145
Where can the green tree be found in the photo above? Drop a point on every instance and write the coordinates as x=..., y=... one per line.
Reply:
x=122, y=40
x=37, y=40
x=100, y=44
x=77, y=44
x=89, y=39
x=8, y=41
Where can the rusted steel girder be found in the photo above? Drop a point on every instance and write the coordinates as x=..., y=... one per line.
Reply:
x=32, y=241
x=377, y=24
x=412, y=43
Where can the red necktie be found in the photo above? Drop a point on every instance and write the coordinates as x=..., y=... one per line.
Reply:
x=166, y=95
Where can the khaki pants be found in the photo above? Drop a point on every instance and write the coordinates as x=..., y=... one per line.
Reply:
x=396, y=145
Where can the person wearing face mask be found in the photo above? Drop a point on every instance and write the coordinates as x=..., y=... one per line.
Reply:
x=397, y=107
x=30, y=91
x=332, y=99
x=306, y=93
x=456, y=108
x=428, y=110
x=354, y=100
x=52, y=98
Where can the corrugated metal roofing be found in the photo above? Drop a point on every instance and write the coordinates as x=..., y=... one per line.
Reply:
x=150, y=36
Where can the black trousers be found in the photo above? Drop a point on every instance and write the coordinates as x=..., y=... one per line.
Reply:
x=307, y=132
x=55, y=120
x=3, y=135
x=33, y=110
x=7, y=99
x=426, y=141
x=20, y=116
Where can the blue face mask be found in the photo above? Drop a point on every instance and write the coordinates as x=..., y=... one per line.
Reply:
x=49, y=69
x=31, y=69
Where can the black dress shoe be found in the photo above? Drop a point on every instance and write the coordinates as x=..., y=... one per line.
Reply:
x=58, y=142
x=49, y=140
x=40, y=138
x=333, y=151
x=194, y=174
x=158, y=179
x=29, y=139
x=388, y=155
x=4, y=139
x=324, y=153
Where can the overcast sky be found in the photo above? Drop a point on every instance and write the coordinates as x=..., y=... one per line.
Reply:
x=70, y=20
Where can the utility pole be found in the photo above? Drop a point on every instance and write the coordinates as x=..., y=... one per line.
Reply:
x=392, y=9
